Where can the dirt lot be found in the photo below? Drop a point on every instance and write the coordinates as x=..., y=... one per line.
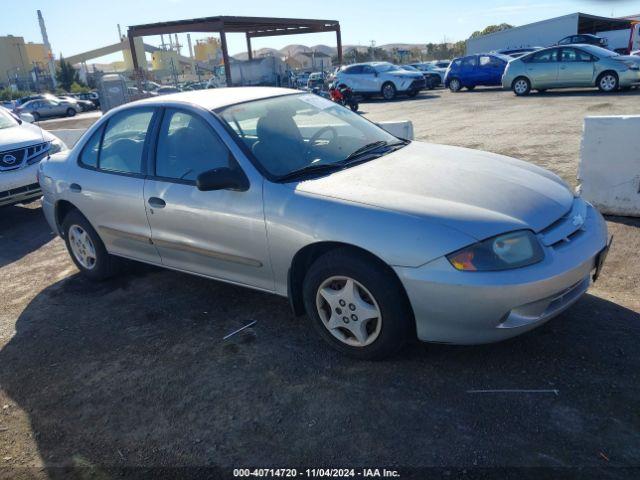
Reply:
x=134, y=371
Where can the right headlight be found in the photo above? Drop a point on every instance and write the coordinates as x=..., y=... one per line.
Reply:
x=504, y=252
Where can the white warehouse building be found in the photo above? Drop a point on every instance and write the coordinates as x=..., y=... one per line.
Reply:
x=547, y=32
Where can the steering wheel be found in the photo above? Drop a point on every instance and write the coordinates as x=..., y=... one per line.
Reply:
x=316, y=136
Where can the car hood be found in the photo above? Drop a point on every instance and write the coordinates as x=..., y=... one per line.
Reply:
x=478, y=193
x=23, y=135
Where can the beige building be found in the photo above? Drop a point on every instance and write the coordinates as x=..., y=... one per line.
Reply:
x=14, y=59
x=37, y=54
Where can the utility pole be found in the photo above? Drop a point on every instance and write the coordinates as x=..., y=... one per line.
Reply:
x=47, y=47
x=193, y=62
x=373, y=50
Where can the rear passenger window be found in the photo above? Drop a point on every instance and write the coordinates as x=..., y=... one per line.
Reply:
x=124, y=141
x=89, y=154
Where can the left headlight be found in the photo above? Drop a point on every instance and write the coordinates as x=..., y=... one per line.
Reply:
x=511, y=250
x=56, y=146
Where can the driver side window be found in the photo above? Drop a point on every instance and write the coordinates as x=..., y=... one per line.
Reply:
x=187, y=147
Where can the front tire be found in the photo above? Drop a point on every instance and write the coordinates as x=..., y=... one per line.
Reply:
x=356, y=305
x=455, y=85
x=521, y=86
x=86, y=248
x=608, y=82
x=388, y=91
x=71, y=112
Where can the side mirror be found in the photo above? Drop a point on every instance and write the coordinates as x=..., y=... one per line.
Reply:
x=222, y=179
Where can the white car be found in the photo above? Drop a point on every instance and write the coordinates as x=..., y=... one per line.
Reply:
x=382, y=78
x=22, y=146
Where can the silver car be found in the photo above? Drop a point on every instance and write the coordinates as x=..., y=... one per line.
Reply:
x=378, y=239
x=571, y=66
x=48, y=107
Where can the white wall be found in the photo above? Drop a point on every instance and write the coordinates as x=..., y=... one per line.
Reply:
x=609, y=171
x=539, y=34
x=616, y=38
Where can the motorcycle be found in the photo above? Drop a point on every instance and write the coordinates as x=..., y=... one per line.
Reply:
x=344, y=96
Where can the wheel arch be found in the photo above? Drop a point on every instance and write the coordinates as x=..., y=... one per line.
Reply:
x=62, y=209
x=304, y=258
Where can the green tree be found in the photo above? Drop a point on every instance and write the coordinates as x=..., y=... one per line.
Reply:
x=66, y=74
x=491, y=29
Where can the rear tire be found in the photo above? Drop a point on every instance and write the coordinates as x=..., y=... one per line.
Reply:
x=521, y=86
x=388, y=91
x=608, y=82
x=86, y=248
x=455, y=85
x=71, y=112
x=376, y=324
x=354, y=106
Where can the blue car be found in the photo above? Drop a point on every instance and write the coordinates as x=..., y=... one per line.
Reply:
x=473, y=70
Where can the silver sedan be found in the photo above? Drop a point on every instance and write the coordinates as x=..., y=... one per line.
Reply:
x=571, y=66
x=376, y=238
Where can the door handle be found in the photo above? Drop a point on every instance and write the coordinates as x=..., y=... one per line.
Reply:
x=75, y=188
x=156, y=202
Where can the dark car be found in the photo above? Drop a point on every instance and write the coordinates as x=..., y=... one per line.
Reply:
x=584, y=38
x=484, y=69
x=518, y=52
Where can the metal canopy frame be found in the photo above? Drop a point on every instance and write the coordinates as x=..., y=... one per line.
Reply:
x=252, y=27
x=593, y=23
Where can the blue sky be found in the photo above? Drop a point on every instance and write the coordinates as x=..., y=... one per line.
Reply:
x=78, y=25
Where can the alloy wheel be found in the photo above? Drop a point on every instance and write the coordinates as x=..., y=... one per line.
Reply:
x=349, y=311
x=608, y=83
x=455, y=84
x=388, y=92
x=82, y=247
x=521, y=86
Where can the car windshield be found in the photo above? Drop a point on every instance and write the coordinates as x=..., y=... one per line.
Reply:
x=290, y=133
x=411, y=68
x=7, y=120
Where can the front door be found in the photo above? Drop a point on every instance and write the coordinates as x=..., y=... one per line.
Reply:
x=109, y=188
x=542, y=68
x=220, y=234
x=576, y=68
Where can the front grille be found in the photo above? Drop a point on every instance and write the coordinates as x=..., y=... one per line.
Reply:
x=567, y=228
x=12, y=159
x=21, y=157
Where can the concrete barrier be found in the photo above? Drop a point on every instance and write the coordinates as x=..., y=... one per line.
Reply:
x=609, y=171
x=399, y=128
x=69, y=136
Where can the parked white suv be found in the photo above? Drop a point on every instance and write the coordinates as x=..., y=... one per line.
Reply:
x=381, y=78
x=22, y=146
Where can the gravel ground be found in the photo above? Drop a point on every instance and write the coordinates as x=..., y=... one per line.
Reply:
x=134, y=372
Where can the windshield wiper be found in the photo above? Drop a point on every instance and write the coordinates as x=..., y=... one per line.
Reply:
x=310, y=169
x=365, y=149
x=370, y=147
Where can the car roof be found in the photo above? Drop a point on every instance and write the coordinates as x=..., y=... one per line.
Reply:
x=215, y=98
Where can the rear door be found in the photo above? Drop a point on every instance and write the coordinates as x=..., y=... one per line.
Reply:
x=542, y=68
x=108, y=188
x=490, y=70
x=219, y=233
x=577, y=68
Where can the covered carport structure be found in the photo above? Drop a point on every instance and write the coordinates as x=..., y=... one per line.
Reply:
x=252, y=27
x=548, y=32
